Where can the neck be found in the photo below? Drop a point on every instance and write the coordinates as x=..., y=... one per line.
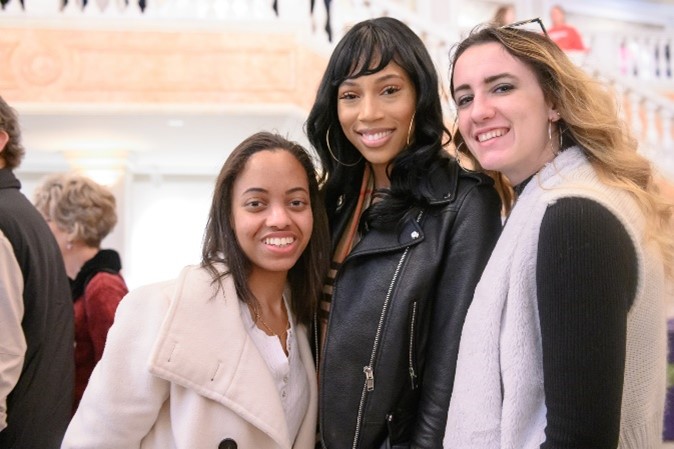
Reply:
x=381, y=179
x=77, y=256
x=268, y=289
x=269, y=312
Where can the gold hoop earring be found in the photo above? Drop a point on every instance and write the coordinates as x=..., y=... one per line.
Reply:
x=327, y=142
x=409, y=130
x=549, y=130
x=559, y=130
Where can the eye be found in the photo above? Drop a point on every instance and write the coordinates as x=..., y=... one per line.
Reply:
x=463, y=100
x=253, y=204
x=390, y=90
x=503, y=88
x=348, y=95
x=299, y=204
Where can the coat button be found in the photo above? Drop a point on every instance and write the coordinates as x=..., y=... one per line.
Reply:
x=414, y=235
x=227, y=443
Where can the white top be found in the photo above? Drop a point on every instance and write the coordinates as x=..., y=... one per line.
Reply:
x=288, y=371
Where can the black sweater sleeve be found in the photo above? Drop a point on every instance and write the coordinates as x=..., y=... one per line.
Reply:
x=586, y=280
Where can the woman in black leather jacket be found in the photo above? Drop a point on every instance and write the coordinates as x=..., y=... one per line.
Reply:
x=411, y=234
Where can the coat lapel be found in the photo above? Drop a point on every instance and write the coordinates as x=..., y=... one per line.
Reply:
x=203, y=346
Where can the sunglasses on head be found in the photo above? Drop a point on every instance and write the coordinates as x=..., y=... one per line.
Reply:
x=524, y=24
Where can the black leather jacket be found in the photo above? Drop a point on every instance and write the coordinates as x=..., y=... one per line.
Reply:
x=399, y=303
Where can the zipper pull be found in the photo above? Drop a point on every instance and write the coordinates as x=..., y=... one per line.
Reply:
x=413, y=376
x=369, y=377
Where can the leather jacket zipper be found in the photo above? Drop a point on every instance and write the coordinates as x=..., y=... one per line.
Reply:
x=413, y=374
x=369, y=369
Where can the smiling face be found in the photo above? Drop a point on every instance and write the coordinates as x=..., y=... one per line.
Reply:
x=502, y=113
x=375, y=112
x=271, y=211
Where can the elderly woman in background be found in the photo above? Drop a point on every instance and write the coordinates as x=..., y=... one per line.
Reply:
x=80, y=214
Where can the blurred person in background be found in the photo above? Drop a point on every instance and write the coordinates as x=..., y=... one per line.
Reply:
x=504, y=15
x=80, y=214
x=564, y=35
x=36, y=315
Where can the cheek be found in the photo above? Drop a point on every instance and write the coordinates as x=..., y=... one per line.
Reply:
x=236, y=224
x=345, y=117
x=307, y=224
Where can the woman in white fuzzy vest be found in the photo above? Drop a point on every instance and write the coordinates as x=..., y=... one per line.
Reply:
x=564, y=345
x=219, y=358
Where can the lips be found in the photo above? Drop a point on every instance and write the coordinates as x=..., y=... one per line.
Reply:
x=491, y=134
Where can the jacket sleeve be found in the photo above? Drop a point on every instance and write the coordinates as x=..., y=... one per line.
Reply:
x=122, y=399
x=12, y=339
x=101, y=298
x=472, y=239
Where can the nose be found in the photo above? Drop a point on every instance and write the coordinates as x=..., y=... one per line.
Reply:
x=278, y=216
x=369, y=108
x=481, y=108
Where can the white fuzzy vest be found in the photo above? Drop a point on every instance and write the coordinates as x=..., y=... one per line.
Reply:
x=498, y=399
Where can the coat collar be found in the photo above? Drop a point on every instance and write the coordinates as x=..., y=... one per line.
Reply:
x=442, y=186
x=204, y=346
x=8, y=180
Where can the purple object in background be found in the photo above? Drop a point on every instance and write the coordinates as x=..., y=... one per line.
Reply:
x=668, y=432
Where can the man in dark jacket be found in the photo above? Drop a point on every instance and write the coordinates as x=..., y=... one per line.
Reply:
x=36, y=313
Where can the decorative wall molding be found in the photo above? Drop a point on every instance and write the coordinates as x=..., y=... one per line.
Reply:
x=155, y=67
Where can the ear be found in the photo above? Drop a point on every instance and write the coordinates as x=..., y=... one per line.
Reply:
x=4, y=138
x=553, y=115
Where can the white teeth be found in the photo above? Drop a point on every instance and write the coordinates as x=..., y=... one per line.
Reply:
x=491, y=134
x=276, y=241
x=376, y=136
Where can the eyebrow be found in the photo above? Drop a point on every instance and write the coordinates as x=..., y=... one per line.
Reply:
x=487, y=80
x=353, y=82
x=261, y=190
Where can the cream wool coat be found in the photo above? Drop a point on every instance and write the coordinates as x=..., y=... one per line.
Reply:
x=180, y=371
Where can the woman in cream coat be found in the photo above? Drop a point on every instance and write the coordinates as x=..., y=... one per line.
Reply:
x=219, y=358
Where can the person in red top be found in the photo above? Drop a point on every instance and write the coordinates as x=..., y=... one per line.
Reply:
x=80, y=214
x=564, y=35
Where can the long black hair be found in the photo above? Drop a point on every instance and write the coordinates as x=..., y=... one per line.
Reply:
x=367, y=48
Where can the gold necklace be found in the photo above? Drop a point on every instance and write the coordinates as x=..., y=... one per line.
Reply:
x=258, y=317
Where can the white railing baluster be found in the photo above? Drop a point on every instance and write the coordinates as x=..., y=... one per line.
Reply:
x=635, y=114
x=650, y=125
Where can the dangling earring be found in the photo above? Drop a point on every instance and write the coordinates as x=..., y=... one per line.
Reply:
x=409, y=131
x=549, y=130
x=552, y=147
x=327, y=141
x=559, y=130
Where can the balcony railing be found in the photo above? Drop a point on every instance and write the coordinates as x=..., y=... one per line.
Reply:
x=639, y=67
